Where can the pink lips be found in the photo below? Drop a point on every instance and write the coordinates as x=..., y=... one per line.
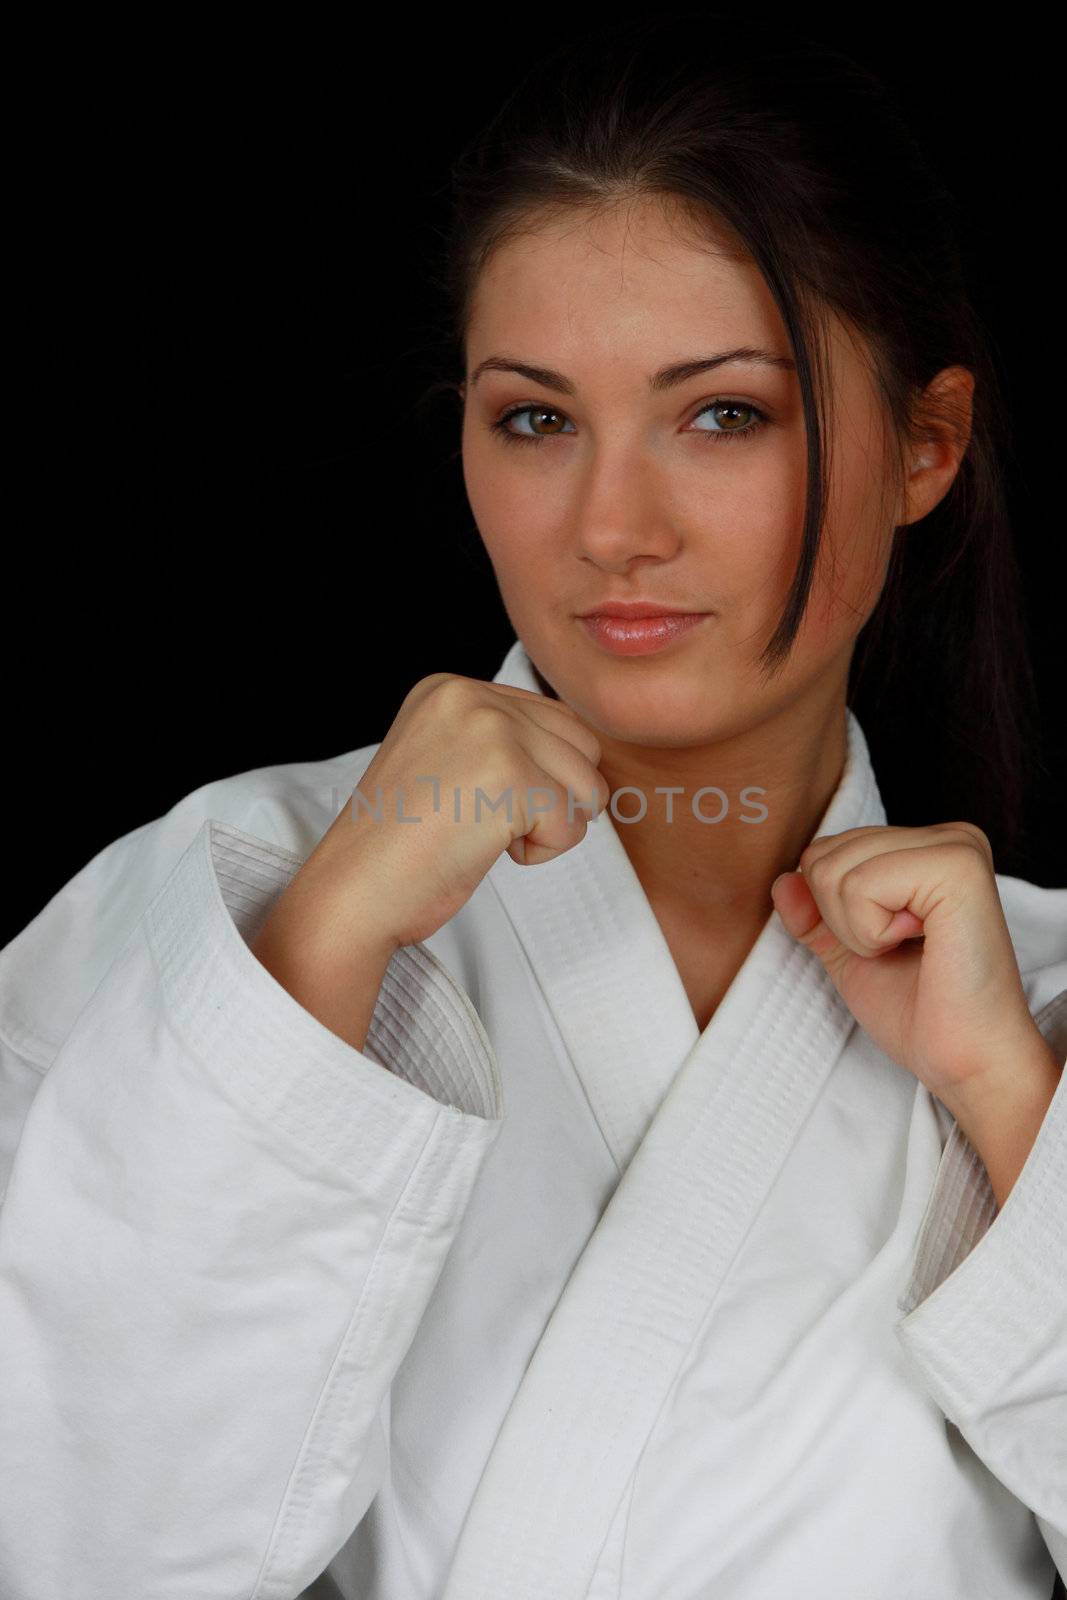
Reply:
x=640, y=636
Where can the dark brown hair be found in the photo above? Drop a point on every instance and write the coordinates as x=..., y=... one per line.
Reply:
x=806, y=159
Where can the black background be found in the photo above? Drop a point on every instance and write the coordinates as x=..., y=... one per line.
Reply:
x=230, y=532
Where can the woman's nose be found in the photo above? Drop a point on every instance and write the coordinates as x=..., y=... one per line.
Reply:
x=622, y=520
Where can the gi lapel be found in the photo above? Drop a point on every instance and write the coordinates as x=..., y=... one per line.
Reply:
x=594, y=944
x=700, y=1125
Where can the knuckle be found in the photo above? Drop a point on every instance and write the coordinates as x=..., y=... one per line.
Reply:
x=496, y=771
x=567, y=708
x=973, y=856
x=968, y=838
x=431, y=683
x=818, y=871
x=449, y=689
x=980, y=838
x=485, y=719
x=972, y=829
x=853, y=888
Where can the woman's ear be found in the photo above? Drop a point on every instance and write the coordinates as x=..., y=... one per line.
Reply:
x=943, y=422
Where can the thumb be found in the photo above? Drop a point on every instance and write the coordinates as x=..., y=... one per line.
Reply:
x=796, y=905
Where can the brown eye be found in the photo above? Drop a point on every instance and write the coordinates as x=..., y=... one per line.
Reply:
x=733, y=419
x=545, y=422
x=730, y=415
x=554, y=420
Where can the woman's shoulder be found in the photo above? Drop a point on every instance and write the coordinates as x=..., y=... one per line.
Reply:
x=50, y=968
x=288, y=804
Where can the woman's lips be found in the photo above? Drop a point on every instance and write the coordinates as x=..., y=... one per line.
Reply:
x=640, y=636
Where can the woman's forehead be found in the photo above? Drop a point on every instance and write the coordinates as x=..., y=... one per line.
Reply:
x=623, y=293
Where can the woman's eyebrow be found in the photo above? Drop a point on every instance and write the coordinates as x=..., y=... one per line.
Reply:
x=665, y=378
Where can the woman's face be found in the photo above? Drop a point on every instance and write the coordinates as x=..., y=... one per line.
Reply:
x=689, y=493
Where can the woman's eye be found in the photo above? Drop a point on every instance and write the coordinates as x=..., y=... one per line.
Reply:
x=553, y=421
x=733, y=419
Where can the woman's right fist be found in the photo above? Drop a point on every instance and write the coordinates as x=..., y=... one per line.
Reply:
x=416, y=837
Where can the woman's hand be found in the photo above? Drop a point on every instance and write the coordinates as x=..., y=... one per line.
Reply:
x=909, y=926
x=374, y=882
x=480, y=769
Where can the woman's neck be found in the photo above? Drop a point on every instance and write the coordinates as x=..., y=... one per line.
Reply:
x=718, y=874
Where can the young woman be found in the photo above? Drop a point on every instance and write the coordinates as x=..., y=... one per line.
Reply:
x=579, y=1146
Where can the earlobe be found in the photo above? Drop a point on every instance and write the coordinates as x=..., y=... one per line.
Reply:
x=928, y=481
x=946, y=412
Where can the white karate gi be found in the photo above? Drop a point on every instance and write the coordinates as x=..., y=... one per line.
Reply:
x=572, y=1303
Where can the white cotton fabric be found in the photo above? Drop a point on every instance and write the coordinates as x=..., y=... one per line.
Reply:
x=544, y=1294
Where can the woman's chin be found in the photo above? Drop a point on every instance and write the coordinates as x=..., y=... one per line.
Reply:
x=675, y=707
x=652, y=726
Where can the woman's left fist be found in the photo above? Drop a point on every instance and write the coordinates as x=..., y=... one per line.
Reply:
x=909, y=926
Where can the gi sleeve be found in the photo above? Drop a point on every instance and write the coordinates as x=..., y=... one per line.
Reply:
x=985, y=1308
x=221, y=1227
